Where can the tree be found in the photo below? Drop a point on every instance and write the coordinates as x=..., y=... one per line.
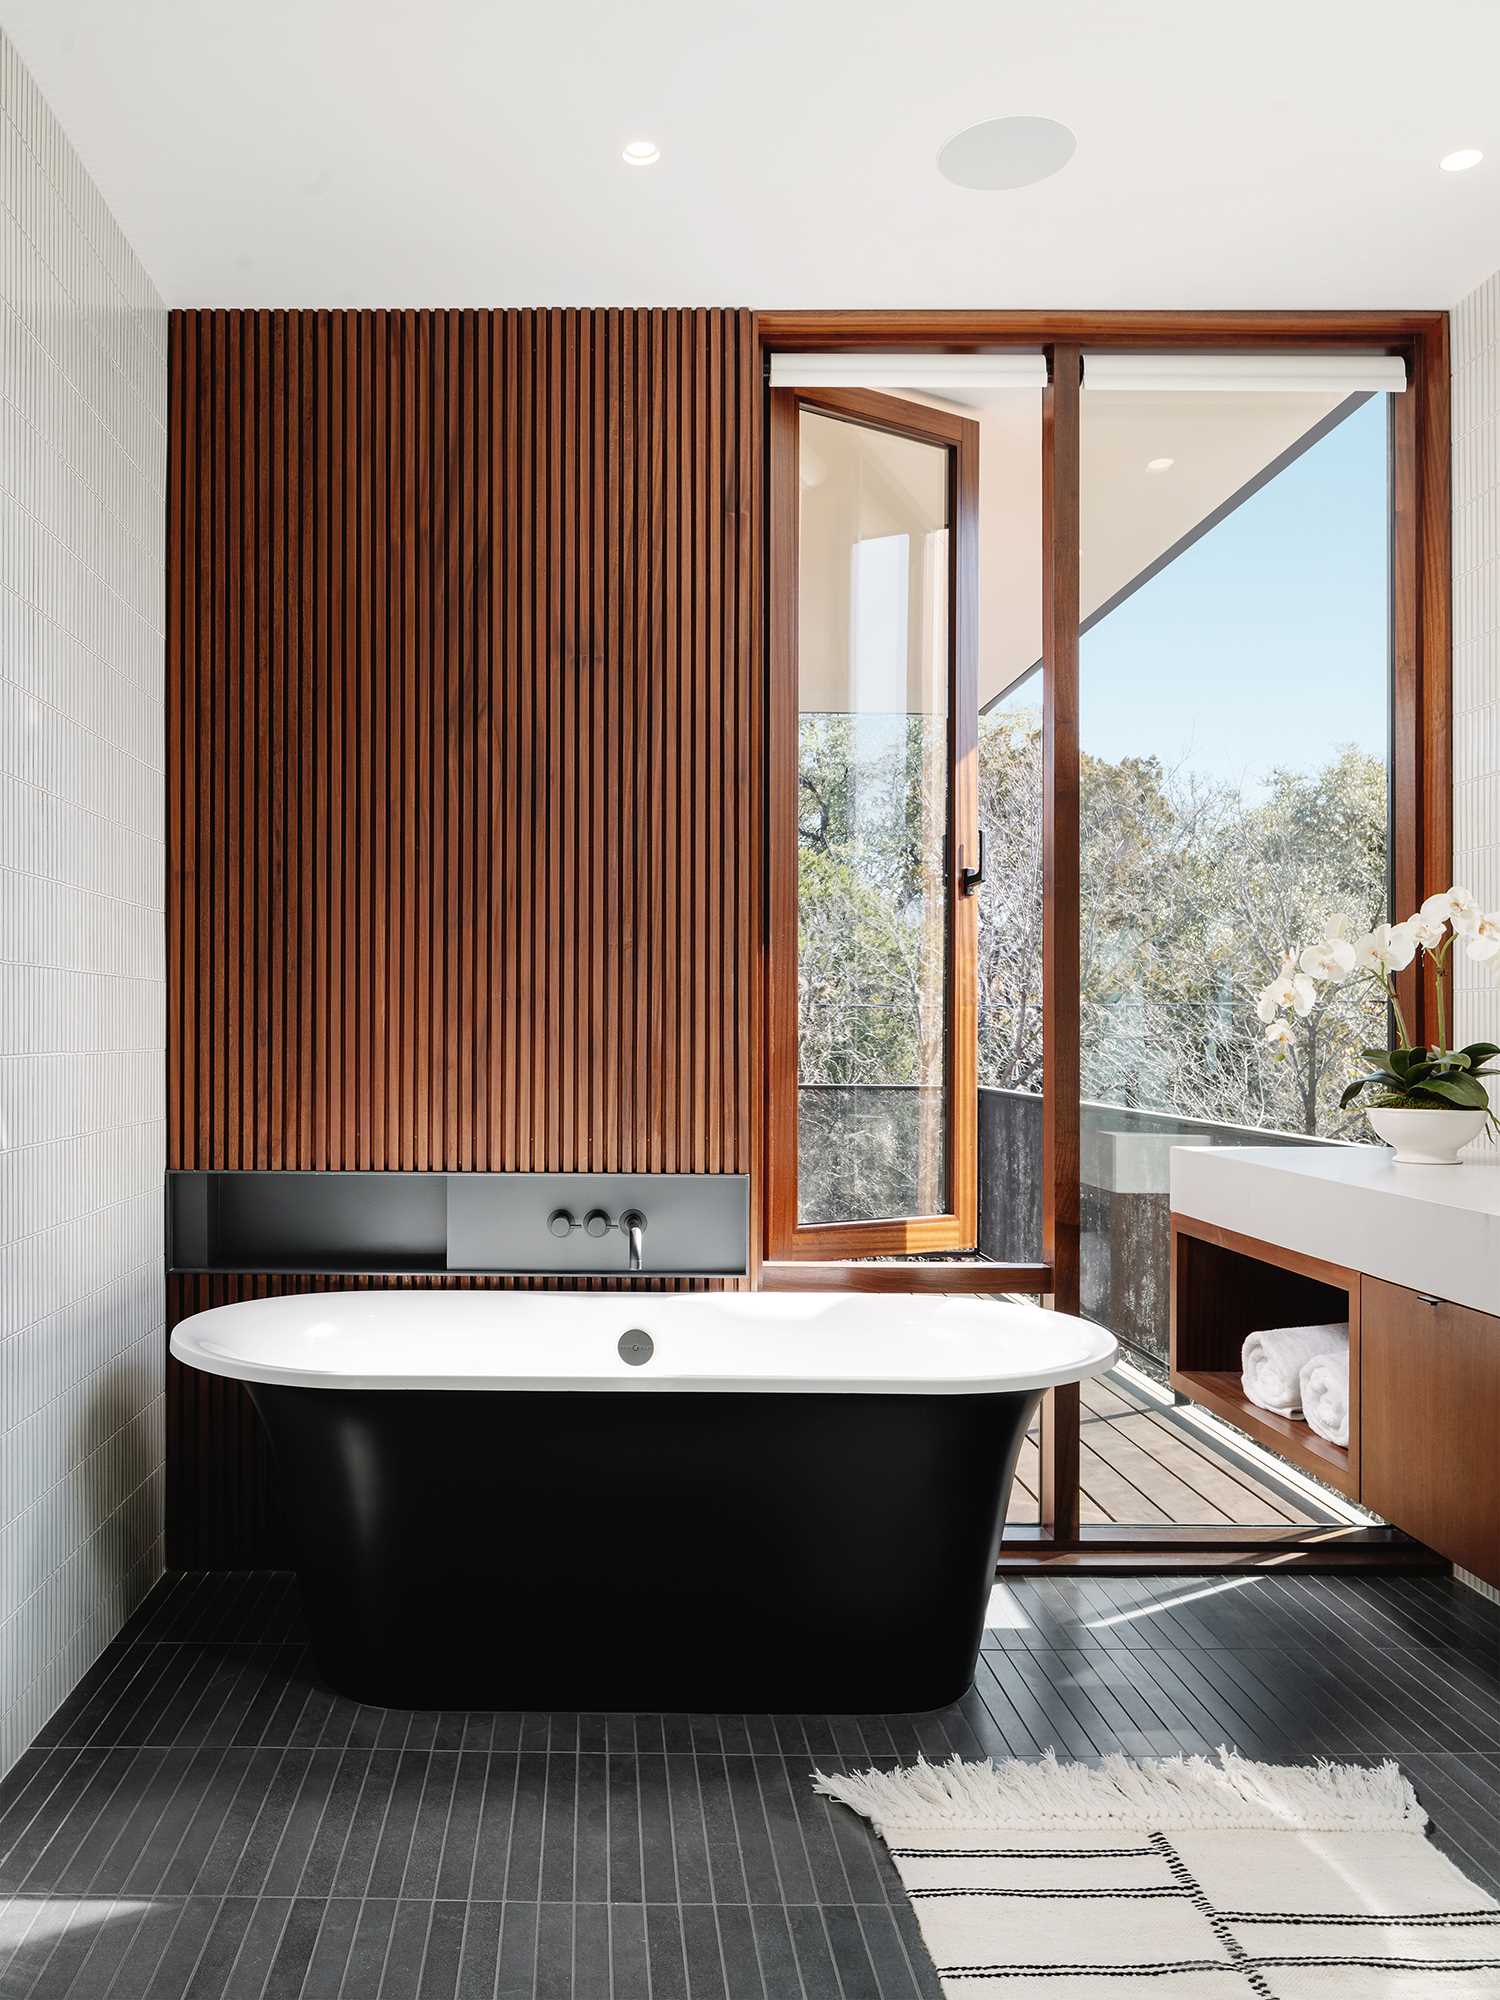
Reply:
x=1191, y=893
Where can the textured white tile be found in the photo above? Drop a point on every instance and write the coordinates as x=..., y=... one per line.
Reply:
x=82, y=975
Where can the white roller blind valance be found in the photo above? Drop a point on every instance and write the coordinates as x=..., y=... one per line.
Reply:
x=1327, y=374
x=941, y=374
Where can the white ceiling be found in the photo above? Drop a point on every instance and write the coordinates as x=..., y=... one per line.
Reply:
x=466, y=152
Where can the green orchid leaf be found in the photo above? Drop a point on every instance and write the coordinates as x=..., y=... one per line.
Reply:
x=1384, y=1059
x=1466, y=1091
x=1479, y=1052
x=1352, y=1090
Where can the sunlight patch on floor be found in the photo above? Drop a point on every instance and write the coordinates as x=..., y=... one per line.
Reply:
x=1005, y=1614
x=1169, y=1603
x=30, y=1919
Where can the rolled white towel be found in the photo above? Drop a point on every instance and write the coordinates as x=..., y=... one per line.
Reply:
x=1325, y=1394
x=1273, y=1359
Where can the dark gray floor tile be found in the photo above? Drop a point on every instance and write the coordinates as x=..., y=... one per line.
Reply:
x=329, y=1956
x=701, y=1951
x=365, y=1965
x=492, y=1839
x=352, y=1857
x=851, y=1954
x=815, y=1962
x=665, y=1952
x=401, y=1975
x=894, y=1977
x=662, y=1843
x=515, y=1972
x=294, y=1949
x=479, y=1955
x=559, y=1828
x=523, y=1867
x=205, y=1821
x=445, y=1951
x=628, y=1961
x=554, y=1951
x=742, y=1979
x=591, y=1829
x=775, y=1952
x=591, y=1952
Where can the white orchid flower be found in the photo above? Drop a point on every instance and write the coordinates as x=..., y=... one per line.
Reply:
x=1279, y=1035
x=1484, y=940
x=1453, y=906
x=1427, y=932
x=1387, y=948
x=1289, y=988
x=1331, y=960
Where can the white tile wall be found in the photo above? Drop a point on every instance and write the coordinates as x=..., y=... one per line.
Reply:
x=83, y=380
x=1475, y=337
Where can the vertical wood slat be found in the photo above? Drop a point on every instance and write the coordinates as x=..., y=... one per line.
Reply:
x=463, y=768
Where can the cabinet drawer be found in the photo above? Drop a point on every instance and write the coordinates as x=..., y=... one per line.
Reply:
x=1430, y=1421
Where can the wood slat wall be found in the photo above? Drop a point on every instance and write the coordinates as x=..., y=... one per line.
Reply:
x=464, y=768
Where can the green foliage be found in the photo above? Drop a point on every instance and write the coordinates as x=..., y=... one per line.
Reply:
x=1191, y=892
x=1426, y=1079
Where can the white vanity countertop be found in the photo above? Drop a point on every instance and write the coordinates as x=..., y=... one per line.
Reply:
x=1434, y=1229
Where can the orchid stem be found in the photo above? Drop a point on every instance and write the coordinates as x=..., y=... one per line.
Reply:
x=1390, y=987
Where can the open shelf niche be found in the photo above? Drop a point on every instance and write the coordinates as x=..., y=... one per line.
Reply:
x=1228, y=1286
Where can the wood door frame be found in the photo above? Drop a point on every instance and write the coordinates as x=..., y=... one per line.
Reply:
x=1421, y=670
x=828, y=1244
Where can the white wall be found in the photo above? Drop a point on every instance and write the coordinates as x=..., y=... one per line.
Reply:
x=1476, y=635
x=82, y=977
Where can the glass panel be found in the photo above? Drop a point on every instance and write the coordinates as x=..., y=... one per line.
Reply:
x=1235, y=691
x=873, y=678
x=1010, y=813
x=1010, y=976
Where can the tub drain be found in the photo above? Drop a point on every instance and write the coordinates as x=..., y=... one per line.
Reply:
x=636, y=1346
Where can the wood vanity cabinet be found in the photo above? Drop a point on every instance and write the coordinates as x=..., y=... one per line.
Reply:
x=1430, y=1422
x=1424, y=1387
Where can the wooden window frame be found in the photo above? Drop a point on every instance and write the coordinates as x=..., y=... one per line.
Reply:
x=1421, y=754
x=956, y=1227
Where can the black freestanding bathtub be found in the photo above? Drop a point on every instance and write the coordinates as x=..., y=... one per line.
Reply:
x=740, y=1502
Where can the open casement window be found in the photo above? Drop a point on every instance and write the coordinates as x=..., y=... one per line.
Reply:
x=872, y=1115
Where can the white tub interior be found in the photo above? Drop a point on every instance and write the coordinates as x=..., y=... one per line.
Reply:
x=785, y=1342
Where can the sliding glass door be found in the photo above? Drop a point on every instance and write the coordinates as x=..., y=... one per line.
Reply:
x=1234, y=802
x=1211, y=687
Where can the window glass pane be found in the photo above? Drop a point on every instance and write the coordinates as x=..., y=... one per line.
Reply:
x=1235, y=693
x=873, y=671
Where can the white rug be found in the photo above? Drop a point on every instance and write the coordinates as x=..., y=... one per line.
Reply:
x=1180, y=1877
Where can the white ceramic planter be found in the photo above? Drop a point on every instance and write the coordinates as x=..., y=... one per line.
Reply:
x=1427, y=1138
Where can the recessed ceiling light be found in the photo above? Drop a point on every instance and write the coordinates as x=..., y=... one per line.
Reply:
x=641, y=153
x=1160, y=464
x=1461, y=161
x=1006, y=153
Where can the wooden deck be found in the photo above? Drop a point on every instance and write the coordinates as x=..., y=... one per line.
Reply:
x=1139, y=1467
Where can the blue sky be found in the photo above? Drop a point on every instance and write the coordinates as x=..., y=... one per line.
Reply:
x=1265, y=643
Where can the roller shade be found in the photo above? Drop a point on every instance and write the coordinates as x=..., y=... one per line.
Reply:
x=1240, y=374
x=940, y=374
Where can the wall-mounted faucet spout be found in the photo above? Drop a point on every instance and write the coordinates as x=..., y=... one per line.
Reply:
x=634, y=1225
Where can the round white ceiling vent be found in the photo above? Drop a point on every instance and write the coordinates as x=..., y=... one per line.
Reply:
x=1007, y=153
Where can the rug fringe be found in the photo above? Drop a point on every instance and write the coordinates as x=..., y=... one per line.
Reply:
x=1157, y=1793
